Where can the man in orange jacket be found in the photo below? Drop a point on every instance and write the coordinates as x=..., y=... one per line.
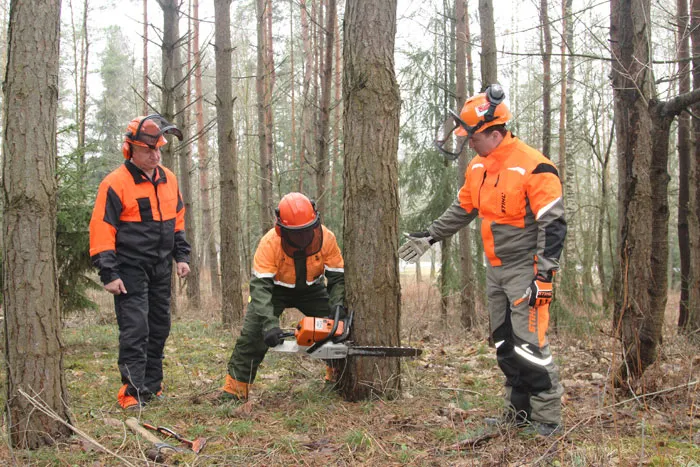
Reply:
x=290, y=265
x=517, y=193
x=137, y=228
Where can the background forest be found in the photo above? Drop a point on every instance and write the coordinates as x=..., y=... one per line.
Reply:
x=627, y=312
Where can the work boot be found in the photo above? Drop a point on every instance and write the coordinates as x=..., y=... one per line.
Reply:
x=545, y=429
x=508, y=419
x=157, y=397
x=234, y=390
x=127, y=401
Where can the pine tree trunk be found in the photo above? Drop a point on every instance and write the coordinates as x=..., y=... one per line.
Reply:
x=546, y=46
x=489, y=65
x=144, y=110
x=212, y=259
x=261, y=87
x=371, y=132
x=569, y=281
x=185, y=166
x=694, y=226
x=323, y=198
x=170, y=20
x=336, y=205
x=231, y=296
x=33, y=349
x=307, y=103
x=467, y=315
x=683, y=159
x=643, y=129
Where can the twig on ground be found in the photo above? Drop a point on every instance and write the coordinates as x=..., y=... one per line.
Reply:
x=467, y=443
x=46, y=410
x=455, y=389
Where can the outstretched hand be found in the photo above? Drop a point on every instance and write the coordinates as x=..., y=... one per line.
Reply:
x=416, y=244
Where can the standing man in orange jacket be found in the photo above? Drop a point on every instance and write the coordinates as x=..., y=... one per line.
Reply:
x=137, y=228
x=517, y=193
x=297, y=264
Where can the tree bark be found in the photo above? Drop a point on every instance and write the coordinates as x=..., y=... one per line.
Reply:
x=144, y=110
x=372, y=105
x=546, y=80
x=185, y=165
x=229, y=225
x=168, y=51
x=569, y=281
x=694, y=224
x=209, y=235
x=336, y=205
x=683, y=160
x=489, y=65
x=33, y=348
x=467, y=315
x=322, y=159
x=261, y=87
x=170, y=19
x=307, y=104
x=643, y=128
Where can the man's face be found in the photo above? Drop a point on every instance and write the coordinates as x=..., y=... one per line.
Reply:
x=146, y=159
x=483, y=143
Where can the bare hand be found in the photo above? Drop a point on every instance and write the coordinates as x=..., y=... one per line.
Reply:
x=116, y=287
x=183, y=269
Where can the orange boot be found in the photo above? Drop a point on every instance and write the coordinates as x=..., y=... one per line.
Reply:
x=126, y=401
x=235, y=390
x=331, y=375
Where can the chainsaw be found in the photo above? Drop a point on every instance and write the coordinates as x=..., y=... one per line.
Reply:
x=326, y=338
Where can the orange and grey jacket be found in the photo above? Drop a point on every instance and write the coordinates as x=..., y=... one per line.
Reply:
x=517, y=193
x=136, y=220
x=273, y=267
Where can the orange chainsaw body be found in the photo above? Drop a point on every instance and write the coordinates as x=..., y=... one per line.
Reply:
x=311, y=330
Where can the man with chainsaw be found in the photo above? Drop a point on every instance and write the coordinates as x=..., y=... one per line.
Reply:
x=297, y=264
x=137, y=229
x=516, y=192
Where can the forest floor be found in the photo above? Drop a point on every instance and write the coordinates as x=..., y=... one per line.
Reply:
x=293, y=418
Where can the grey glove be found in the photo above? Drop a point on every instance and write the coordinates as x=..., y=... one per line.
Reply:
x=416, y=244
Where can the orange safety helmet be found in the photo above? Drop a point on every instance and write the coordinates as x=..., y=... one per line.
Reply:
x=482, y=111
x=479, y=112
x=148, y=131
x=299, y=224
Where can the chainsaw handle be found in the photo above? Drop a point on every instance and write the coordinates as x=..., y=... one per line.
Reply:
x=286, y=334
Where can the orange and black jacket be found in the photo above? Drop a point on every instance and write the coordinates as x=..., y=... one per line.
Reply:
x=137, y=221
x=272, y=267
x=517, y=193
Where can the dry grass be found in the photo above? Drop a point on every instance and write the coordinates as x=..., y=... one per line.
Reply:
x=293, y=419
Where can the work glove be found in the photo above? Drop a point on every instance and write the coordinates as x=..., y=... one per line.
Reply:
x=272, y=337
x=541, y=290
x=416, y=244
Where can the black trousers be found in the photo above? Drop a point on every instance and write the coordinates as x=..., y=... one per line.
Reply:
x=143, y=316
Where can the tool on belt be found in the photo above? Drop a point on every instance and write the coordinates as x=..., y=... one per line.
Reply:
x=326, y=338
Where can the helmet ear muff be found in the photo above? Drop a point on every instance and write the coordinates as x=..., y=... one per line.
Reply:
x=494, y=95
x=126, y=150
x=277, y=222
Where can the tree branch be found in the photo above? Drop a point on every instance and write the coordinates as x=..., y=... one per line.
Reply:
x=679, y=103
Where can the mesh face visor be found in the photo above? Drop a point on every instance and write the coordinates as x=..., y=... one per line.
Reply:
x=302, y=241
x=151, y=129
x=447, y=140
